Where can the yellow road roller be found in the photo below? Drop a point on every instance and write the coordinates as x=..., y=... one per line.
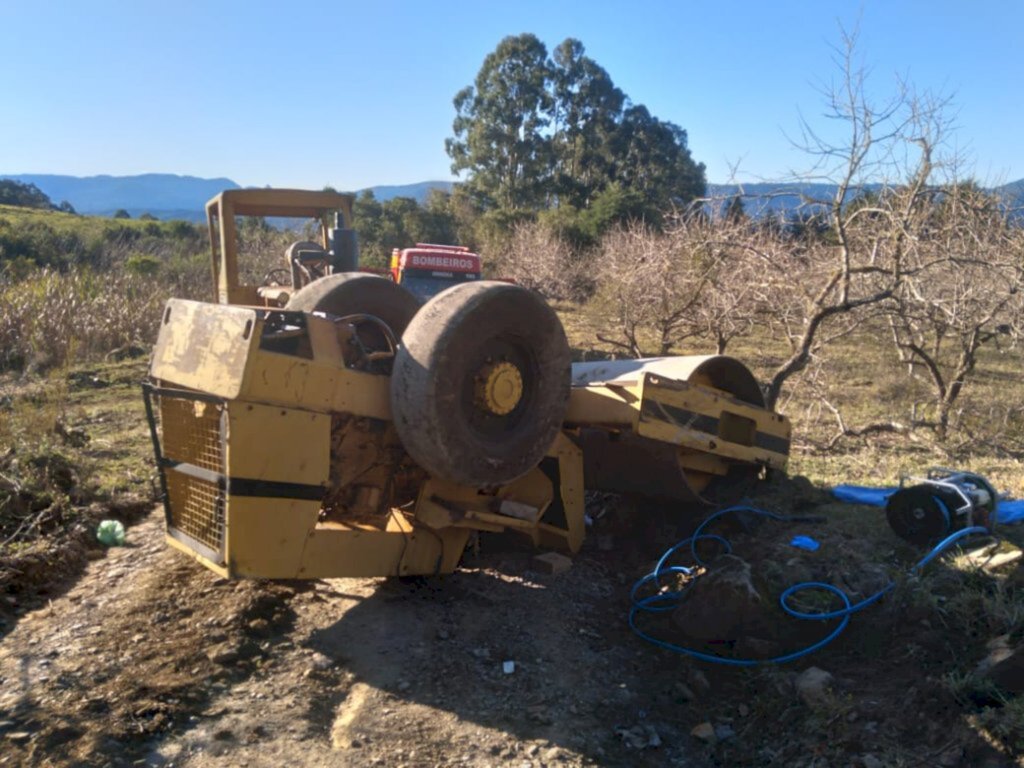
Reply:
x=338, y=425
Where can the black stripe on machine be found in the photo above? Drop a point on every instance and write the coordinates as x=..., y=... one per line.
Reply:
x=243, y=486
x=681, y=417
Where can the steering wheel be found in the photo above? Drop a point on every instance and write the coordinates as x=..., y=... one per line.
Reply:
x=369, y=358
x=276, y=278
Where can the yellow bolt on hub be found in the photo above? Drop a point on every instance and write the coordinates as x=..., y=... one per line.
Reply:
x=499, y=388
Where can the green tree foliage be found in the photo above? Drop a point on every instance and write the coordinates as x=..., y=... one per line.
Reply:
x=400, y=223
x=535, y=132
x=735, y=213
x=142, y=264
x=32, y=241
x=585, y=110
x=121, y=213
x=500, y=126
x=652, y=157
x=25, y=195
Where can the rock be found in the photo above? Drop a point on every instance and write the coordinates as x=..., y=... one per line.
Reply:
x=870, y=761
x=705, y=732
x=724, y=732
x=743, y=709
x=552, y=755
x=404, y=685
x=321, y=661
x=812, y=686
x=1008, y=672
x=539, y=713
x=723, y=605
x=225, y=653
x=260, y=627
x=699, y=681
x=552, y=562
x=18, y=737
x=684, y=691
x=639, y=737
x=998, y=650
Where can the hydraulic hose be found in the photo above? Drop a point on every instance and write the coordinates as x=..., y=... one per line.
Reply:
x=660, y=601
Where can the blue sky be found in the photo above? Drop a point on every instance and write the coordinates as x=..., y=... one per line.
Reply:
x=304, y=94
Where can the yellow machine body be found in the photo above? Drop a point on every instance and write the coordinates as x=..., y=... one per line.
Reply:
x=278, y=461
x=290, y=203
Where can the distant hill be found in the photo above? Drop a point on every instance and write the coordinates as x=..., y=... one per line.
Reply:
x=763, y=199
x=1012, y=195
x=166, y=195
x=161, y=194
x=419, y=191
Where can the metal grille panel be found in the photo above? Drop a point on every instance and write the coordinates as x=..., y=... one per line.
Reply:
x=192, y=435
x=192, y=432
x=197, y=509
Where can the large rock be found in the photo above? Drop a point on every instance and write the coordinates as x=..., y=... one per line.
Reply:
x=723, y=605
x=1005, y=668
x=813, y=686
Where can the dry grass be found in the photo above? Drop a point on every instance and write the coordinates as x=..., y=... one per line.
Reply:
x=52, y=319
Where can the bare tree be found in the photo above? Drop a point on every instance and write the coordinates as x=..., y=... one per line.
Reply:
x=822, y=290
x=536, y=257
x=961, y=293
x=666, y=287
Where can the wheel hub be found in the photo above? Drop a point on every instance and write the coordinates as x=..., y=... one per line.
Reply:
x=499, y=388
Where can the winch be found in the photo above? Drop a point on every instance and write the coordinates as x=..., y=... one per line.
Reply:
x=927, y=509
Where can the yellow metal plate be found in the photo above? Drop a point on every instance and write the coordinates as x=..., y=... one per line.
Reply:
x=266, y=442
x=707, y=420
x=204, y=346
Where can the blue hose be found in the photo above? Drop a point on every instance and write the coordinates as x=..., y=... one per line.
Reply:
x=660, y=602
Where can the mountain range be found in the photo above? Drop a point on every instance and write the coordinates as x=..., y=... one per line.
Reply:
x=168, y=196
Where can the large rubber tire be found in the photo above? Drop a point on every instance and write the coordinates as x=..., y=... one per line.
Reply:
x=357, y=293
x=434, y=383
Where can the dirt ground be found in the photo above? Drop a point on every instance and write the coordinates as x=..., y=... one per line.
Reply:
x=148, y=659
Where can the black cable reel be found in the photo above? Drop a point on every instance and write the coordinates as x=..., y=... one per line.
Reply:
x=927, y=509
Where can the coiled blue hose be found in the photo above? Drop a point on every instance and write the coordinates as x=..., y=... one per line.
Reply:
x=660, y=602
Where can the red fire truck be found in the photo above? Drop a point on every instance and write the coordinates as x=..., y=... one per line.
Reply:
x=427, y=269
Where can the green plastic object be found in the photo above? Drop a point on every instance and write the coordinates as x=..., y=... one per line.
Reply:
x=111, y=533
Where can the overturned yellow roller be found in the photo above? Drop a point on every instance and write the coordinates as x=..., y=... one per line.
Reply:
x=347, y=430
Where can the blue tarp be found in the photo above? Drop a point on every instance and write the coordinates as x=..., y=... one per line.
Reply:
x=1008, y=511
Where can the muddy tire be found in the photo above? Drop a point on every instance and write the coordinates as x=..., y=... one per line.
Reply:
x=490, y=337
x=355, y=293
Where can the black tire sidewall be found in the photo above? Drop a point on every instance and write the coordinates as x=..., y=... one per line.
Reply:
x=444, y=347
x=354, y=293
